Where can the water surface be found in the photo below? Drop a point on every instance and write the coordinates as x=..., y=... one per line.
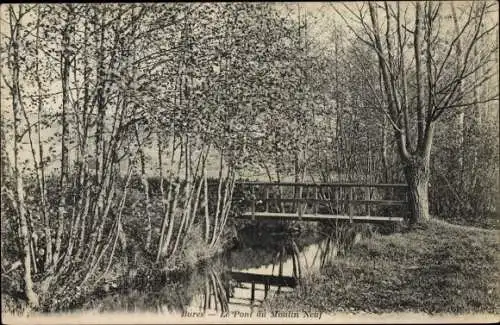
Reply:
x=233, y=284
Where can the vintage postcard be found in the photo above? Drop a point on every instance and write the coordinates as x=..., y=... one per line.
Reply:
x=250, y=162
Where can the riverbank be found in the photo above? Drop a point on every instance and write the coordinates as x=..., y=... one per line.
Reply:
x=437, y=268
x=149, y=286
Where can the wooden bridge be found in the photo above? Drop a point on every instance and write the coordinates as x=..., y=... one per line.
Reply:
x=351, y=202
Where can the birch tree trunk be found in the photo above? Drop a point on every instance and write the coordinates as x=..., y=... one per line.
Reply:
x=63, y=180
x=19, y=195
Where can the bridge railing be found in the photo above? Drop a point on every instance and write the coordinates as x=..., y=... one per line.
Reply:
x=322, y=198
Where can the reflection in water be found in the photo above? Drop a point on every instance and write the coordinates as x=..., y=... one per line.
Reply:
x=214, y=296
x=245, y=289
x=223, y=286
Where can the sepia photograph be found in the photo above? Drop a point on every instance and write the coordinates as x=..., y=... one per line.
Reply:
x=250, y=162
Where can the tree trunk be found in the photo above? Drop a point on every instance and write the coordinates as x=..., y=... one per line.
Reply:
x=22, y=215
x=417, y=177
x=385, y=161
x=145, y=187
x=63, y=180
x=43, y=192
x=461, y=127
x=31, y=296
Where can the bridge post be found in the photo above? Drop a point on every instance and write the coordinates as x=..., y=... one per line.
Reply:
x=252, y=297
x=253, y=202
x=267, y=198
x=368, y=197
x=300, y=203
x=351, y=197
x=338, y=196
x=315, y=200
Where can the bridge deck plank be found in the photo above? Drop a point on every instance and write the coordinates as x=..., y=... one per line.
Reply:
x=306, y=184
x=316, y=217
x=311, y=200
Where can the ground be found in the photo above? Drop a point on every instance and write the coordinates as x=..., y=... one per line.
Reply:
x=436, y=268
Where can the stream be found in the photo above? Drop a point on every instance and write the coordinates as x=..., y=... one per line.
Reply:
x=232, y=284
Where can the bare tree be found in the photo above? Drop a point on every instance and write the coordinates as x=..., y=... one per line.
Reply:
x=423, y=74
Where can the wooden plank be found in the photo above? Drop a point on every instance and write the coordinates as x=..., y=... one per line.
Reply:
x=379, y=202
x=355, y=202
x=286, y=281
x=296, y=200
x=322, y=184
x=319, y=217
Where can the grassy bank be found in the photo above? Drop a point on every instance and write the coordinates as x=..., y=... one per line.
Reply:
x=436, y=268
